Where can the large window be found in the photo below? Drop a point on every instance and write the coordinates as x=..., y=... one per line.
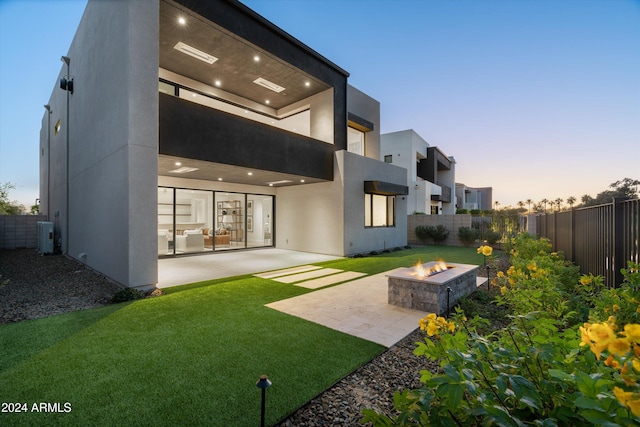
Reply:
x=192, y=221
x=379, y=211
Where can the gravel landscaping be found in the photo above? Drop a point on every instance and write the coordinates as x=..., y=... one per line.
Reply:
x=40, y=286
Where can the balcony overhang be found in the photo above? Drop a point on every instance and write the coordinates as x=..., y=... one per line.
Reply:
x=385, y=188
x=193, y=131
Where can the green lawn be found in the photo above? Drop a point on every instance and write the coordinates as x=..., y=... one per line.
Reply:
x=190, y=357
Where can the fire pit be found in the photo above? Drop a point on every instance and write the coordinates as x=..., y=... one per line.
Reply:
x=424, y=287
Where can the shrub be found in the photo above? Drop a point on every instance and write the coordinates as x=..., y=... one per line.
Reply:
x=438, y=233
x=621, y=302
x=422, y=233
x=127, y=294
x=468, y=235
x=540, y=370
x=492, y=237
x=462, y=211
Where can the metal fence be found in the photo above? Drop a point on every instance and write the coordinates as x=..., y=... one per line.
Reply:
x=600, y=239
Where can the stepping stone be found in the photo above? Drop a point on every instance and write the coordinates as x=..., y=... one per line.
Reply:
x=330, y=280
x=306, y=276
x=287, y=271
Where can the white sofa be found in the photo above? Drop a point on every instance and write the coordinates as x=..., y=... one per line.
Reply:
x=190, y=241
x=163, y=242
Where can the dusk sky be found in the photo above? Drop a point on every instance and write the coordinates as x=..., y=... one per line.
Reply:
x=537, y=99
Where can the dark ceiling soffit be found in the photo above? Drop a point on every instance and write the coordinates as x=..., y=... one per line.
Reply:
x=360, y=123
x=192, y=4
x=385, y=188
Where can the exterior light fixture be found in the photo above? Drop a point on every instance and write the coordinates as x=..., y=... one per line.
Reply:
x=263, y=384
x=256, y=58
x=66, y=84
x=182, y=21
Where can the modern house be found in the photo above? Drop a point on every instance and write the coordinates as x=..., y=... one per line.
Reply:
x=430, y=172
x=474, y=198
x=187, y=127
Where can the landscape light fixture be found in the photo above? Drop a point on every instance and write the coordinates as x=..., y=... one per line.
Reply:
x=263, y=384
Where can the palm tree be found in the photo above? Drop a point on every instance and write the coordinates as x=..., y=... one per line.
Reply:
x=559, y=202
x=520, y=205
x=571, y=200
x=496, y=203
x=529, y=201
x=544, y=201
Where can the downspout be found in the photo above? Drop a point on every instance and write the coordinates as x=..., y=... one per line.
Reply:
x=67, y=61
x=48, y=107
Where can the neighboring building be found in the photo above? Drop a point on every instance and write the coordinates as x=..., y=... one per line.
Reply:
x=474, y=198
x=191, y=127
x=430, y=173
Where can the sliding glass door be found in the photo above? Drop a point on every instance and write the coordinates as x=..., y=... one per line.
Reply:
x=197, y=221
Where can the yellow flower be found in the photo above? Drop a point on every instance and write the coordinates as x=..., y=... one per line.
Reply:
x=500, y=274
x=431, y=317
x=623, y=396
x=432, y=329
x=423, y=323
x=636, y=364
x=615, y=308
x=585, y=280
x=598, y=336
x=632, y=332
x=634, y=405
x=487, y=250
x=511, y=271
x=619, y=347
x=503, y=290
x=532, y=266
x=611, y=362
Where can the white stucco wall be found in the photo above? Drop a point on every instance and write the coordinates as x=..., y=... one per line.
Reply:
x=113, y=143
x=354, y=170
x=364, y=106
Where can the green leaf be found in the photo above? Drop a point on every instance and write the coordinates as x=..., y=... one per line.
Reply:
x=584, y=402
x=531, y=403
x=560, y=375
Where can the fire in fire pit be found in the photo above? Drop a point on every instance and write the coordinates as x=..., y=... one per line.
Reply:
x=421, y=271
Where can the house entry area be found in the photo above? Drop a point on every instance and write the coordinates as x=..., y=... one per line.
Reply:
x=197, y=221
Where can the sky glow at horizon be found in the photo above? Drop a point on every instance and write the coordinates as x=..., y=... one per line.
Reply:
x=537, y=99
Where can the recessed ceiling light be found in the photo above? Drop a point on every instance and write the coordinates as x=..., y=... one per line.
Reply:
x=267, y=101
x=178, y=164
x=194, y=95
x=218, y=83
x=196, y=53
x=269, y=85
x=249, y=173
x=183, y=169
x=284, y=181
x=302, y=180
x=307, y=84
x=256, y=58
x=182, y=21
x=219, y=179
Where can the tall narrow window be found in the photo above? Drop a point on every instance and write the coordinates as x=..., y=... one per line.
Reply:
x=355, y=141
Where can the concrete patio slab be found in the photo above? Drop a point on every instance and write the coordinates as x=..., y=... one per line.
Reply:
x=357, y=308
